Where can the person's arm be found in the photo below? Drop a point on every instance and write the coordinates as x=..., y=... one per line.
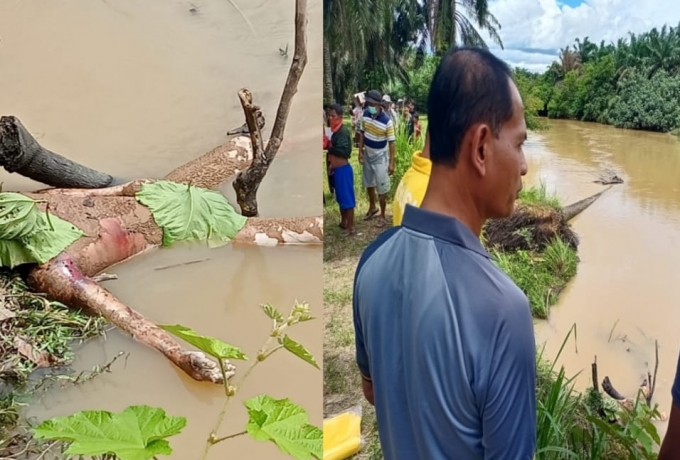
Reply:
x=390, y=139
x=361, y=354
x=361, y=146
x=508, y=401
x=670, y=448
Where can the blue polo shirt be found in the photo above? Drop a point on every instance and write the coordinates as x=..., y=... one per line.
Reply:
x=447, y=339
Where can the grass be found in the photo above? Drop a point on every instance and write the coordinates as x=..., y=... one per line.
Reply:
x=31, y=325
x=568, y=426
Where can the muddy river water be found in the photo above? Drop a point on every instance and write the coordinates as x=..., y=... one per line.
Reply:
x=136, y=89
x=627, y=290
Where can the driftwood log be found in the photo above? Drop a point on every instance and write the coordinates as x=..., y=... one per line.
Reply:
x=535, y=227
x=118, y=227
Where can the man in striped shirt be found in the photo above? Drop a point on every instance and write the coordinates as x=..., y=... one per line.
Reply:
x=376, y=140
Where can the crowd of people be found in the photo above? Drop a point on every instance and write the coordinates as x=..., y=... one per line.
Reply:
x=374, y=120
x=444, y=338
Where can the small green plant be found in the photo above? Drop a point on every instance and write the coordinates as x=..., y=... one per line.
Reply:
x=141, y=432
x=404, y=147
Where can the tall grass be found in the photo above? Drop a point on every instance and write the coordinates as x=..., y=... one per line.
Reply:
x=405, y=147
x=569, y=425
x=541, y=276
x=540, y=196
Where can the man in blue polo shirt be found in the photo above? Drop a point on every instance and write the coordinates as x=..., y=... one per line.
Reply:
x=670, y=449
x=444, y=339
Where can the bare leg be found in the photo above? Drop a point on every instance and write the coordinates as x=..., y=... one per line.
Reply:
x=350, y=221
x=372, y=208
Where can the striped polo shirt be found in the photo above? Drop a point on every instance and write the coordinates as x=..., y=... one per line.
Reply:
x=377, y=132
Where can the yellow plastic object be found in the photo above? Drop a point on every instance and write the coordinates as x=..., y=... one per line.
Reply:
x=342, y=435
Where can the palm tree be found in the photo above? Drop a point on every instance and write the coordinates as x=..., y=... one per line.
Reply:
x=450, y=22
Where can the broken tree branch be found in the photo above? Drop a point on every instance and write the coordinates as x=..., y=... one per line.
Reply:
x=20, y=153
x=652, y=379
x=593, y=369
x=248, y=182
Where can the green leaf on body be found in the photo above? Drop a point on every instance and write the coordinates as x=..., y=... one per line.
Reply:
x=137, y=433
x=210, y=345
x=28, y=235
x=188, y=213
x=285, y=424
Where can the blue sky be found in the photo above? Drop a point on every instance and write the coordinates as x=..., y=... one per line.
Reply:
x=533, y=31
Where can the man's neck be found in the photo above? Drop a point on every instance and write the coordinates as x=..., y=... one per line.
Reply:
x=457, y=202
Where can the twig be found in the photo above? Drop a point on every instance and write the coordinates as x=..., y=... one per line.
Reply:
x=612, y=331
x=596, y=380
x=652, y=380
x=233, y=3
x=181, y=264
x=235, y=435
x=247, y=183
x=44, y=452
x=97, y=371
x=104, y=277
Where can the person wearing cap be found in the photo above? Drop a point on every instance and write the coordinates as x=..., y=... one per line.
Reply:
x=376, y=155
x=388, y=105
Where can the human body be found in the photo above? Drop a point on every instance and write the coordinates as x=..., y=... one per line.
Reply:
x=411, y=188
x=376, y=154
x=339, y=152
x=444, y=339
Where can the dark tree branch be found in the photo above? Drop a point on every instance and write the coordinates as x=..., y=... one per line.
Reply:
x=248, y=182
x=20, y=153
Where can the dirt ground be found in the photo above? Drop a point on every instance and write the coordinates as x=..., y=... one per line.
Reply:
x=342, y=383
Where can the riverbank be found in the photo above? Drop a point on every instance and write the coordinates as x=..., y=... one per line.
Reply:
x=565, y=424
x=36, y=346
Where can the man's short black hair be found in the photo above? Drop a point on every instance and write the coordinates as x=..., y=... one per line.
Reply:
x=337, y=108
x=470, y=86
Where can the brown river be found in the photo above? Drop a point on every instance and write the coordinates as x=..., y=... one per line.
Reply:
x=627, y=289
x=136, y=89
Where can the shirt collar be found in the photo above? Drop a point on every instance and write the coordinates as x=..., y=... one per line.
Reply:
x=420, y=164
x=443, y=227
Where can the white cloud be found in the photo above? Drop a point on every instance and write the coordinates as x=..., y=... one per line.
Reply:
x=531, y=25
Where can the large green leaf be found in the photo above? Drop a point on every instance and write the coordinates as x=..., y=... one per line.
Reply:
x=137, y=433
x=188, y=213
x=210, y=345
x=285, y=424
x=19, y=216
x=28, y=235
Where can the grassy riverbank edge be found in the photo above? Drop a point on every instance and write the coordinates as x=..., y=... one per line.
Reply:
x=567, y=420
x=36, y=345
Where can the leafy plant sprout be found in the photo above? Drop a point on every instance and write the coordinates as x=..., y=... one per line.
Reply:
x=140, y=432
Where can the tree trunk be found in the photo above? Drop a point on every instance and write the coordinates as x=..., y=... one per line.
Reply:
x=248, y=182
x=21, y=153
x=577, y=208
x=328, y=95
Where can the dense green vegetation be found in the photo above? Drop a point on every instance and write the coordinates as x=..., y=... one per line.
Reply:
x=633, y=83
x=366, y=42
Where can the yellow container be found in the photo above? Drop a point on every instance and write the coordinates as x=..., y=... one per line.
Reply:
x=342, y=435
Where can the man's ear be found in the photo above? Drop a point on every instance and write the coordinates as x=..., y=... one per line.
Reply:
x=479, y=137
